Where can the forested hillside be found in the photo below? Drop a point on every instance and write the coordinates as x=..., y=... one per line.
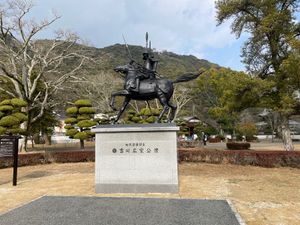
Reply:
x=105, y=59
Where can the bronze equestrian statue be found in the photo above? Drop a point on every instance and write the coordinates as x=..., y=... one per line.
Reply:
x=141, y=83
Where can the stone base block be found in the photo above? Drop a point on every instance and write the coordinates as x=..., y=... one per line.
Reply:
x=136, y=158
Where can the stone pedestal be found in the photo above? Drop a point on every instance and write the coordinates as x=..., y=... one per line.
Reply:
x=136, y=158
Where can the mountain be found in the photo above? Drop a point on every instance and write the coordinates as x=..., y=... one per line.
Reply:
x=170, y=64
x=105, y=59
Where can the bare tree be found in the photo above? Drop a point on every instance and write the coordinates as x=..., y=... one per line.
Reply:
x=34, y=69
x=96, y=88
x=181, y=97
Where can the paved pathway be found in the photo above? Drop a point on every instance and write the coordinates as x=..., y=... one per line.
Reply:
x=120, y=211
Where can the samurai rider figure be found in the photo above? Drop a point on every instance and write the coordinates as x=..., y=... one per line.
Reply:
x=142, y=72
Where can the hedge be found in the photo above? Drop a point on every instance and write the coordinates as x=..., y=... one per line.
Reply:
x=238, y=145
x=254, y=158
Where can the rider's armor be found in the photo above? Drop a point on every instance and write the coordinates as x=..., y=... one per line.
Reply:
x=147, y=72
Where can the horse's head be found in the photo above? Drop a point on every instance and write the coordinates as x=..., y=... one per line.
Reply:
x=124, y=68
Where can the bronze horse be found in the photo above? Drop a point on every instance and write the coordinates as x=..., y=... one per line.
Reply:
x=148, y=89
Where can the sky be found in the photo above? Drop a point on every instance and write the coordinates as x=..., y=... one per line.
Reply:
x=186, y=27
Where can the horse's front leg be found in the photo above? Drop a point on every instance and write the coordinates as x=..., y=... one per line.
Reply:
x=125, y=103
x=113, y=97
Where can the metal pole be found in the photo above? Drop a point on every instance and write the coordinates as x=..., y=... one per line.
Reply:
x=16, y=149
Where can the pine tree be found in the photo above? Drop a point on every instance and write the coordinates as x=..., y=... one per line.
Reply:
x=11, y=116
x=80, y=120
x=145, y=116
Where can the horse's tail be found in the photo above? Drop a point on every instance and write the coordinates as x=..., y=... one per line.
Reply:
x=187, y=77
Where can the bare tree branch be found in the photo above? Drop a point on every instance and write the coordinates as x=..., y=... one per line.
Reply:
x=34, y=68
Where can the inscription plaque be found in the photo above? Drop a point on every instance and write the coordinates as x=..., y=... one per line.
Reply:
x=9, y=148
x=6, y=147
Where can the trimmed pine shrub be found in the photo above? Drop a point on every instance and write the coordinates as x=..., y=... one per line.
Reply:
x=72, y=110
x=83, y=103
x=151, y=119
x=130, y=111
x=69, y=126
x=71, y=132
x=90, y=133
x=135, y=119
x=16, y=131
x=83, y=117
x=81, y=135
x=146, y=112
x=2, y=130
x=8, y=121
x=18, y=102
x=11, y=116
x=5, y=108
x=156, y=112
x=21, y=116
x=5, y=102
x=70, y=120
x=145, y=115
x=87, y=110
x=86, y=123
x=102, y=120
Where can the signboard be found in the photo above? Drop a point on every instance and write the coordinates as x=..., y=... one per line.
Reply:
x=6, y=147
x=9, y=148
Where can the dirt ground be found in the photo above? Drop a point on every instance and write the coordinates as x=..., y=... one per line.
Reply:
x=260, y=195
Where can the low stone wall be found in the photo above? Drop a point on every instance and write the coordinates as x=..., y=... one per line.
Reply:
x=238, y=157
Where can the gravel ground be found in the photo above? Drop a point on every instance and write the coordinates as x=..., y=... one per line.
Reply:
x=260, y=195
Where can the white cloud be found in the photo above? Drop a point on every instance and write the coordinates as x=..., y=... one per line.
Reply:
x=182, y=26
